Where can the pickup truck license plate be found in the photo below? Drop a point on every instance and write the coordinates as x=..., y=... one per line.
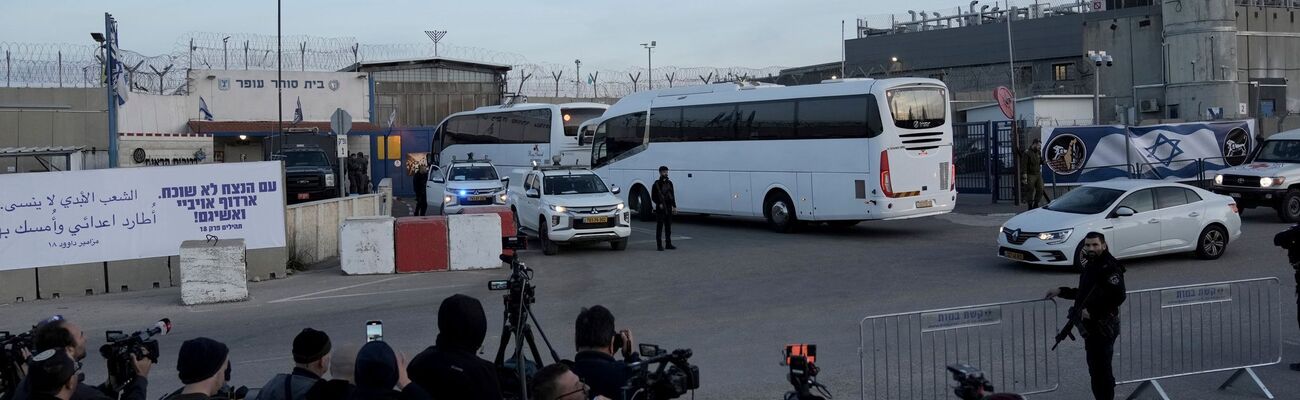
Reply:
x=478, y=198
x=925, y=204
x=304, y=196
x=595, y=220
x=1014, y=255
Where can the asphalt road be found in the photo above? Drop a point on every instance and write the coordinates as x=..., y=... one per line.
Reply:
x=734, y=292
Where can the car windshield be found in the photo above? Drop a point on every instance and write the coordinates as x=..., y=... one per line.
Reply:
x=1279, y=151
x=305, y=159
x=474, y=173
x=574, y=184
x=1085, y=200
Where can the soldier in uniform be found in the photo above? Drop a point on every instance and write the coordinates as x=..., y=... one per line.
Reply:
x=1290, y=240
x=1096, y=303
x=1031, y=178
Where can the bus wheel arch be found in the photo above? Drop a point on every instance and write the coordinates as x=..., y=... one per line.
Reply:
x=778, y=209
x=639, y=200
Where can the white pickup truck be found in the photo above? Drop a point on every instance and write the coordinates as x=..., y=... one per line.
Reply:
x=1271, y=179
x=569, y=205
x=465, y=184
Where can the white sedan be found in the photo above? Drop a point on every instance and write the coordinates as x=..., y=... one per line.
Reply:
x=1139, y=218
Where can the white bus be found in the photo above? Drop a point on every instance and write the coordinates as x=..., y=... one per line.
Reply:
x=513, y=136
x=840, y=152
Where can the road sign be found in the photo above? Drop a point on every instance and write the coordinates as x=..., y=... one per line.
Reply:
x=342, y=145
x=341, y=122
x=1005, y=101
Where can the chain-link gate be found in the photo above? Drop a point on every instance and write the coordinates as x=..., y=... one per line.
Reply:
x=986, y=160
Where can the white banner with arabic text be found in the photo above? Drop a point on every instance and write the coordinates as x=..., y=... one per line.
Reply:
x=73, y=217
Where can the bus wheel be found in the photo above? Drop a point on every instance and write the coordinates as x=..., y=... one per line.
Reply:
x=643, y=206
x=780, y=213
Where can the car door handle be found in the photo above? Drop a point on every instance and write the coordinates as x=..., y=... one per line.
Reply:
x=1194, y=215
x=1153, y=221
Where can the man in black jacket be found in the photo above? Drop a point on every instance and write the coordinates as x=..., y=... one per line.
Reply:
x=451, y=370
x=52, y=376
x=665, y=200
x=60, y=334
x=418, y=181
x=311, y=357
x=597, y=341
x=1290, y=240
x=1096, y=301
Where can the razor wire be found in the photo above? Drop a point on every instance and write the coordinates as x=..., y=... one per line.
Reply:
x=68, y=65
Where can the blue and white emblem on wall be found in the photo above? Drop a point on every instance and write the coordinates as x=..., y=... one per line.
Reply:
x=223, y=84
x=334, y=85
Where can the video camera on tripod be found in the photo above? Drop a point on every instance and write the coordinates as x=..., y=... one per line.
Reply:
x=972, y=385
x=673, y=377
x=14, y=351
x=122, y=350
x=801, y=359
x=517, y=371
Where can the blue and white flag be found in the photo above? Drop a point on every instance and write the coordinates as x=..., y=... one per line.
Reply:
x=392, y=117
x=115, y=75
x=1186, y=151
x=297, y=112
x=203, y=109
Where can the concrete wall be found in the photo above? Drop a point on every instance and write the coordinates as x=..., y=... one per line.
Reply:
x=1040, y=112
x=255, y=98
x=158, y=147
x=152, y=113
x=313, y=228
x=1267, y=43
x=1132, y=37
x=1201, y=38
x=33, y=117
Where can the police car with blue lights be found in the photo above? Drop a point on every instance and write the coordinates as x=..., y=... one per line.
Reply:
x=463, y=184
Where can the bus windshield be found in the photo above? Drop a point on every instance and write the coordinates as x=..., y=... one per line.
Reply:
x=918, y=108
x=576, y=116
x=574, y=184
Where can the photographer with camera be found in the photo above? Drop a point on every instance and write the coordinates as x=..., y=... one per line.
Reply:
x=203, y=366
x=311, y=356
x=53, y=376
x=597, y=342
x=1289, y=239
x=57, y=333
x=15, y=350
x=558, y=382
x=451, y=369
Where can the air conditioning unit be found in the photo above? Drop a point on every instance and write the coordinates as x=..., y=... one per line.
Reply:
x=1150, y=105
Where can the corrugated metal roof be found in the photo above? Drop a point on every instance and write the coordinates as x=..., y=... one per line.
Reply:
x=39, y=151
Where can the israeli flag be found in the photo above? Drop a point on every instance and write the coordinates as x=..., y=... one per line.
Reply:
x=392, y=117
x=118, y=81
x=297, y=113
x=203, y=109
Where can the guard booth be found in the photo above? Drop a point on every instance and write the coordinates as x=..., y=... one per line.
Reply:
x=59, y=158
x=397, y=153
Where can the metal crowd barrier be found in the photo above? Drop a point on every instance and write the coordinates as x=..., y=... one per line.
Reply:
x=1199, y=329
x=904, y=356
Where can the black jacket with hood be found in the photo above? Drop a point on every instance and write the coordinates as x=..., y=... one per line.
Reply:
x=377, y=375
x=451, y=369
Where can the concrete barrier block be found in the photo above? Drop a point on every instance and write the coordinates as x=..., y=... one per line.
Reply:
x=174, y=264
x=213, y=272
x=267, y=264
x=70, y=280
x=328, y=218
x=366, y=246
x=421, y=244
x=17, y=286
x=507, y=220
x=475, y=241
x=140, y=274
x=306, y=232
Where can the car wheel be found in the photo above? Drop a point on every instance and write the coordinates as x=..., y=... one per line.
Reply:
x=619, y=245
x=1212, y=243
x=1078, y=257
x=1289, y=210
x=548, y=247
x=780, y=213
x=644, y=207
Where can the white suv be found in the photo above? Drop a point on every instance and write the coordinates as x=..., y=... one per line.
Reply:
x=569, y=205
x=463, y=184
x=1271, y=179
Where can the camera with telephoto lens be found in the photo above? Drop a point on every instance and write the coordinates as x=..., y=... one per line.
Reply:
x=122, y=350
x=672, y=375
x=13, y=354
x=972, y=385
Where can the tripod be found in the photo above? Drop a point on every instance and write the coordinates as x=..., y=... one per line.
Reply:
x=518, y=313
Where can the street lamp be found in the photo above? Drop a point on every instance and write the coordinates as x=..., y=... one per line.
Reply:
x=648, y=66
x=577, y=80
x=1098, y=58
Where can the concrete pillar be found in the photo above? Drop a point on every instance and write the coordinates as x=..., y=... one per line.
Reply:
x=366, y=246
x=1201, y=40
x=141, y=274
x=267, y=264
x=71, y=280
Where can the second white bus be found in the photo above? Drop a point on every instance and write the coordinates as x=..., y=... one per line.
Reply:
x=839, y=152
x=514, y=136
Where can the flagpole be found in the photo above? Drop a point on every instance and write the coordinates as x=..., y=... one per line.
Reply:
x=111, y=32
x=279, y=77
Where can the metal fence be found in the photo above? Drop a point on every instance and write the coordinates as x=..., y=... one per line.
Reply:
x=1199, y=329
x=985, y=159
x=904, y=356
